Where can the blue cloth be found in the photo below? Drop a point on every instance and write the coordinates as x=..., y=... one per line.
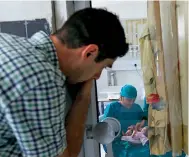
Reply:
x=139, y=151
x=128, y=91
x=126, y=117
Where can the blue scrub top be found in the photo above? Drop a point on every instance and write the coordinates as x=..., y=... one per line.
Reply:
x=126, y=117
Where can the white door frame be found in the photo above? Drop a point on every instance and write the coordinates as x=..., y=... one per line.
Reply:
x=92, y=148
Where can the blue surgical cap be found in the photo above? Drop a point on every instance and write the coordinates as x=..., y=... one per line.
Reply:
x=128, y=91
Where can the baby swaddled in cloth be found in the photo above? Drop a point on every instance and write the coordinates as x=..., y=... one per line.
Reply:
x=136, y=135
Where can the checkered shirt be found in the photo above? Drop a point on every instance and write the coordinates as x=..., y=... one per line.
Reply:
x=32, y=98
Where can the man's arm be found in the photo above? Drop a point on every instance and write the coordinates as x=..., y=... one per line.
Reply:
x=76, y=121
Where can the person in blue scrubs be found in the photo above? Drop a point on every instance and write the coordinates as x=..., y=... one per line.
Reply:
x=128, y=113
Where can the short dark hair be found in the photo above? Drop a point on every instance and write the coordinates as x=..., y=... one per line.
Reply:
x=95, y=26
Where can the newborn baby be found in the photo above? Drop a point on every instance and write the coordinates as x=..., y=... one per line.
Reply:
x=136, y=134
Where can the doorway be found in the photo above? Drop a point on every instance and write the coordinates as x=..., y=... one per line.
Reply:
x=126, y=70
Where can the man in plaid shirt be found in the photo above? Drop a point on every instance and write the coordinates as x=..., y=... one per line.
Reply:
x=34, y=101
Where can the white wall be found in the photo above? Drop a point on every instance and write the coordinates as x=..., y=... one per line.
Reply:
x=60, y=13
x=125, y=10
x=25, y=10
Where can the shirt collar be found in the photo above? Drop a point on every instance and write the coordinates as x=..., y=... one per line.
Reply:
x=43, y=42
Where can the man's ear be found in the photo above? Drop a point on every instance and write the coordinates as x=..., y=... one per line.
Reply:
x=90, y=51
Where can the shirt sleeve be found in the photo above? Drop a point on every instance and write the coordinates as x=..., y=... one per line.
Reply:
x=37, y=120
x=141, y=113
x=109, y=112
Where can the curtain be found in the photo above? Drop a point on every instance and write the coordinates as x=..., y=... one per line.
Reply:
x=182, y=22
x=171, y=60
x=164, y=61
